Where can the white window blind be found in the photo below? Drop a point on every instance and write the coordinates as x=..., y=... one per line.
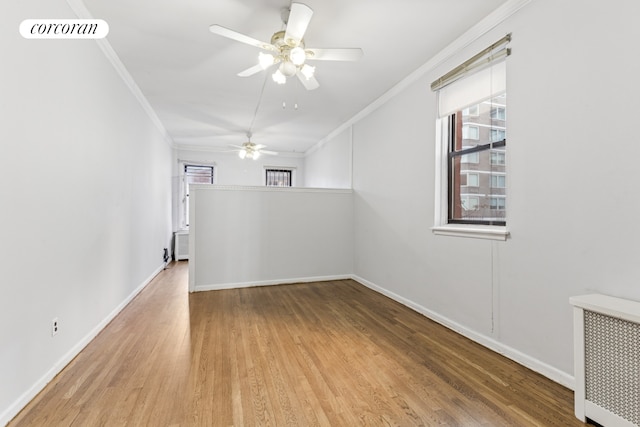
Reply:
x=472, y=89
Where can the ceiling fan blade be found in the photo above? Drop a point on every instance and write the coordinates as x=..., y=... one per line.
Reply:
x=309, y=83
x=343, y=54
x=299, y=18
x=271, y=153
x=236, y=146
x=259, y=146
x=234, y=35
x=251, y=71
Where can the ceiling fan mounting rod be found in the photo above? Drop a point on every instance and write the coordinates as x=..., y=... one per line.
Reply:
x=284, y=14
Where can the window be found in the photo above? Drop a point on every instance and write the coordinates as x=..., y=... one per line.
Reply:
x=498, y=134
x=470, y=203
x=474, y=209
x=470, y=132
x=497, y=203
x=499, y=113
x=471, y=180
x=498, y=158
x=471, y=154
x=196, y=174
x=278, y=177
x=193, y=174
x=498, y=181
x=473, y=111
x=471, y=157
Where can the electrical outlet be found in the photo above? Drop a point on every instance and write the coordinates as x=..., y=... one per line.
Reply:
x=54, y=326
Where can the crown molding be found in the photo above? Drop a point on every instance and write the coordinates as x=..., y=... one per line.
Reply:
x=471, y=35
x=81, y=11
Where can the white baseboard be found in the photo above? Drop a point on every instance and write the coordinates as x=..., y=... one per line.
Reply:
x=36, y=388
x=236, y=285
x=523, y=359
x=536, y=365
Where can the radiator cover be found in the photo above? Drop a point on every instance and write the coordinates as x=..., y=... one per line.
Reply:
x=181, y=245
x=607, y=360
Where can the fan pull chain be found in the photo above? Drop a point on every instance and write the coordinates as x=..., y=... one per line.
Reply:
x=284, y=105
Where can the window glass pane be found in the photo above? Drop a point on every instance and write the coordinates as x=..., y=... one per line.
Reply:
x=498, y=134
x=470, y=158
x=499, y=113
x=497, y=203
x=498, y=158
x=498, y=181
x=477, y=170
x=470, y=132
x=469, y=203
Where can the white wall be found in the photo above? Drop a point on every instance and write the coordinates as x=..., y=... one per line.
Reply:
x=85, y=180
x=258, y=236
x=572, y=211
x=329, y=165
x=231, y=170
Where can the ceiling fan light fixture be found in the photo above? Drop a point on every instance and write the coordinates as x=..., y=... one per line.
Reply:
x=297, y=55
x=288, y=48
x=256, y=154
x=308, y=71
x=288, y=69
x=266, y=60
x=279, y=78
x=242, y=154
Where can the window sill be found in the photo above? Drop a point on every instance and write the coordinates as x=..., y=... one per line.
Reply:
x=472, y=231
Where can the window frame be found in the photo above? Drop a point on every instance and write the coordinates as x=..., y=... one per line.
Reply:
x=290, y=170
x=469, y=174
x=498, y=112
x=184, y=188
x=496, y=155
x=441, y=225
x=498, y=206
x=497, y=130
x=494, y=180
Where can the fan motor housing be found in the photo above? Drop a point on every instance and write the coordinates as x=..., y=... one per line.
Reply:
x=277, y=39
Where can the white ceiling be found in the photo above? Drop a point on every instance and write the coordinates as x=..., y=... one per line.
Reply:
x=188, y=74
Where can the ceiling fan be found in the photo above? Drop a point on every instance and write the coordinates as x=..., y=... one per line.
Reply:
x=287, y=48
x=251, y=150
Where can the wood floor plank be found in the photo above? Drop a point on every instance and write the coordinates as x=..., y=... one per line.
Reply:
x=315, y=354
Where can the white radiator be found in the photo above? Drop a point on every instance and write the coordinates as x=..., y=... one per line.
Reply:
x=607, y=359
x=181, y=245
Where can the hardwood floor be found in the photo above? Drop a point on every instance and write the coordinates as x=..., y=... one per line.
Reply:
x=317, y=354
